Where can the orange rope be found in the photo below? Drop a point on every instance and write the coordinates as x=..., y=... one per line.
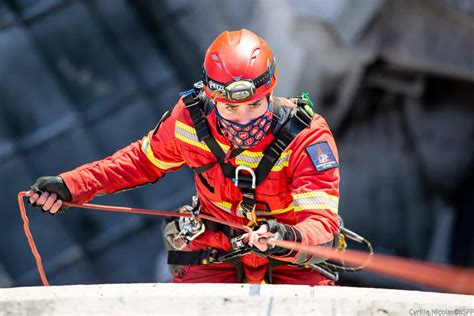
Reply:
x=446, y=278
x=441, y=277
x=31, y=242
x=119, y=209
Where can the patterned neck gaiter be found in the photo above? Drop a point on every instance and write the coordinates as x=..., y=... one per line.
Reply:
x=248, y=135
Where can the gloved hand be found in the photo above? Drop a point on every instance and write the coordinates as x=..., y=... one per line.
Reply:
x=272, y=229
x=49, y=194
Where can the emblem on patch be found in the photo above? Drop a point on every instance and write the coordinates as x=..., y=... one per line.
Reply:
x=322, y=157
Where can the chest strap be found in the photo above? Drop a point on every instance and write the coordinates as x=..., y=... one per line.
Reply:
x=286, y=125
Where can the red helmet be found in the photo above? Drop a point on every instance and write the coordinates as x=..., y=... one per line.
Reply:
x=239, y=67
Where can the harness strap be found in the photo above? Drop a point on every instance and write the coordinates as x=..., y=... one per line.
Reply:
x=229, y=170
x=202, y=169
x=193, y=104
x=283, y=136
x=211, y=255
x=204, y=257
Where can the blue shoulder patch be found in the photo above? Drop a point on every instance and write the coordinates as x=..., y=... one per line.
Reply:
x=322, y=157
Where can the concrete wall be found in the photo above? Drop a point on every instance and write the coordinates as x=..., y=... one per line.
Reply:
x=231, y=299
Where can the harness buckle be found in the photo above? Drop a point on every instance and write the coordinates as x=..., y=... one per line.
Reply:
x=238, y=242
x=211, y=255
x=233, y=254
x=249, y=170
x=249, y=211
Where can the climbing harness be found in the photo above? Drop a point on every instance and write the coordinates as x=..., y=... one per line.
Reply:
x=286, y=124
x=240, y=248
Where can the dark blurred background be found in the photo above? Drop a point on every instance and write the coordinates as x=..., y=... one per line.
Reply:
x=82, y=79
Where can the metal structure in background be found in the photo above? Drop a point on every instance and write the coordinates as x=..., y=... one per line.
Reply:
x=403, y=119
x=399, y=104
x=81, y=79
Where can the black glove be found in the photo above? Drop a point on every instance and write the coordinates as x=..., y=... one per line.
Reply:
x=52, y=185
x=281, y=232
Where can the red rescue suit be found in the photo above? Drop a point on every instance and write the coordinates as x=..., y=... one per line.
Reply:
x=294, y=193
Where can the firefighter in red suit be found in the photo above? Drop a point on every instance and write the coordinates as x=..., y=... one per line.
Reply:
x=297, y=200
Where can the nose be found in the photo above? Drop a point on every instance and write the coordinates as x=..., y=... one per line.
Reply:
x=244, y=116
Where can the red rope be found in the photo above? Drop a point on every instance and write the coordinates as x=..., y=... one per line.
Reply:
x=441, y=277
x=31, y=242
x=446, y=278
x=119, y=209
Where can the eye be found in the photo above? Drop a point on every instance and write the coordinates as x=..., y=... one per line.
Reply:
x=254, y=106
x=230, y=107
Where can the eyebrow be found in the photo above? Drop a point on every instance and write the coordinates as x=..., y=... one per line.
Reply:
x=237, y=105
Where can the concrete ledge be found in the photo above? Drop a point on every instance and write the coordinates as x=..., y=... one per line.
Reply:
x=228, y=299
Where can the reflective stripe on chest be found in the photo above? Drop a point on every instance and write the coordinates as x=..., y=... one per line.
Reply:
x=188, y=135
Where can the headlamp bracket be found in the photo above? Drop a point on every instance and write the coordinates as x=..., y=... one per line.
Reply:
x=240, y=90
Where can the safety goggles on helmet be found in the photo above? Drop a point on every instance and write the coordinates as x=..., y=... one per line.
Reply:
x=240, y=90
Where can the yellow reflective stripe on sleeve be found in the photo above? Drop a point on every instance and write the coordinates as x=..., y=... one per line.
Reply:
x=315, y=200
x=187, y=134
x=164, y=165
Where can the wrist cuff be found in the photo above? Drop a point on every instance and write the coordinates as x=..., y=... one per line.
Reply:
x=287, y=232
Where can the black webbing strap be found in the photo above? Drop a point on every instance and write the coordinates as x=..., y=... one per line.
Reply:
x=204, y=257
x=197, y=115
x=193, y=104
x=297, y=121
x=207, y=257
x=202, y=169
x=272, y=153
x=272, y=263
x=276, y=117
x=176, y=257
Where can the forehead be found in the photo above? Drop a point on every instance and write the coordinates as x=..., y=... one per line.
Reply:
x=243, y=103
